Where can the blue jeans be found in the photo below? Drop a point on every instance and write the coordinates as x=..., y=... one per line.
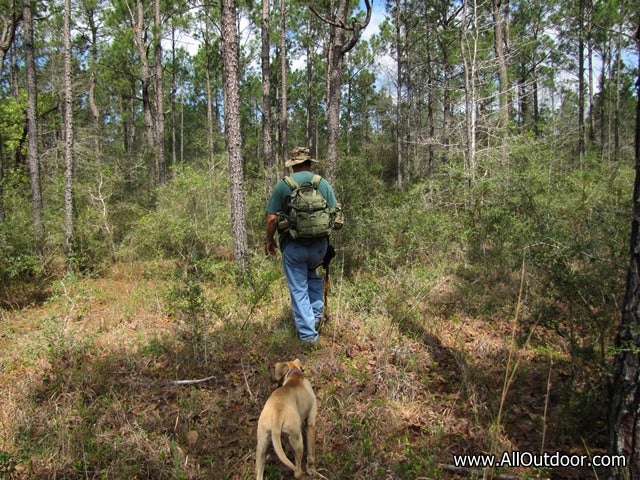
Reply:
x=305, y=285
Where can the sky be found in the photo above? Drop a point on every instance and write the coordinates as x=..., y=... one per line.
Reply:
x=378, y=15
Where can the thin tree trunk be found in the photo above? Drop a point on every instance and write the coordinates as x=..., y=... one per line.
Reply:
x=469, y=56
x=8, y=23
x=93, y=106
x=581, y=89
x=616, y=117
x=446, y=104
x=499, y=40
x=339, y=46
x=267, y=146
x=348, y=114
x=230, y=69
x=592, y=117
x=284, y=108
x=137, y=23
x=207, y=77
x=174, y=89
x=32, y=122
x=68, y=139
x=308, y=114
x=161, y=162
x=399, y=103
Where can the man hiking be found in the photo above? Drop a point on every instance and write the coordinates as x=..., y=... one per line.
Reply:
x=303, y=210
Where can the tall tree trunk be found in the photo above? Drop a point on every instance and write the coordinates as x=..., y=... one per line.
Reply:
x=469, y=58
x=32, y=122
x=624, y=413
x=589, y=34
x=284, y=108
x=309, y=127
x=137, y=23
x=93, y=74
x=616, y=116
x=230, y=60
x=399, y=100
x=207, y=77
x=581, y=86
x=267, y=146
x=173, y=99
x=8, y=23
x=447, y=114
x=68, y=139
x=161, y=162
x=339, y=46
x=9, y=20
x=499, y=42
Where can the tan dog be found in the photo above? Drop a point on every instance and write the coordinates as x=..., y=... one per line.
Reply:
x=284, y=413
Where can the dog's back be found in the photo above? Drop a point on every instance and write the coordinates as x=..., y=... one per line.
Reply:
x=284, y=413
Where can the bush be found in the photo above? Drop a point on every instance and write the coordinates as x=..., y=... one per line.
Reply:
x=190, y=223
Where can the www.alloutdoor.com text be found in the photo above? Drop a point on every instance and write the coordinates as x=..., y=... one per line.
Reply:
x=539, y=460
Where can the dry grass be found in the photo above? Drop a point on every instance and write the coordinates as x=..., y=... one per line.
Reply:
x=404, y=380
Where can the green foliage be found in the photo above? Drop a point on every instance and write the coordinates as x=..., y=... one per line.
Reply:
x=22, y=271
x=190, y=222
x=566, y=227
x=387, y=229
x=12, y=121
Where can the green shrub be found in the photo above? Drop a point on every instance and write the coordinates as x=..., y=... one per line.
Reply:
x=191, y=221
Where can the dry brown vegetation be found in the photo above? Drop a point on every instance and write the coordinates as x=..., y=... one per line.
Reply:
x=403, y=384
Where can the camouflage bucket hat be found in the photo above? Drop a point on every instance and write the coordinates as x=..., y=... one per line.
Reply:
x=299, y=155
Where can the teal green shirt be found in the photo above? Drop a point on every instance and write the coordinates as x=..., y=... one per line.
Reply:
x=282, y=191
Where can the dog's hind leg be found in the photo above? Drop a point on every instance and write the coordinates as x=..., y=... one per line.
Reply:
x=311, y=440
x=261, y=453
x=295, y=439
x=276, y=439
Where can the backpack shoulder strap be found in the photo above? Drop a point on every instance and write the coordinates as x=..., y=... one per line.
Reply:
x=291, y=182
x=315, y=181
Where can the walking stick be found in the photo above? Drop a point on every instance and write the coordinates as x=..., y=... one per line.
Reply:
x=331, y=252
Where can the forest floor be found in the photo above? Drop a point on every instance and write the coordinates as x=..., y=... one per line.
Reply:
x=86, y=381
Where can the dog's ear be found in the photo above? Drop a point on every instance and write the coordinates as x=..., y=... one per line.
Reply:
x=298, y=364
x=279, y=371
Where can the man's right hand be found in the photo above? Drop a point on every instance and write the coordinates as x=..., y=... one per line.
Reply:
x=271, y=248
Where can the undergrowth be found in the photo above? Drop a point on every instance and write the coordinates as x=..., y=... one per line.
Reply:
x=404, y=379
x=465, y=317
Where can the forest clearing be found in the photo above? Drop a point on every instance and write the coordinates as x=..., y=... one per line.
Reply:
x=484, y=300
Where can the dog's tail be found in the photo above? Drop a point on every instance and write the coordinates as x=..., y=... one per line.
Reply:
x=276, y=439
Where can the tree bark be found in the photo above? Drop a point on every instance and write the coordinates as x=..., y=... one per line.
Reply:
x=137, y=23
x=68, y=139
x=33, y=154
x=469, y=58
x=93, y=106
x=624, y=413
x=161, y=162
x=267, y=146
x=207, y=76
x=339, y=46
x=581, y=86
x=499, y=42
x=399, y=102
x=284, y=109
x=8, y=23
x=230, y=68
